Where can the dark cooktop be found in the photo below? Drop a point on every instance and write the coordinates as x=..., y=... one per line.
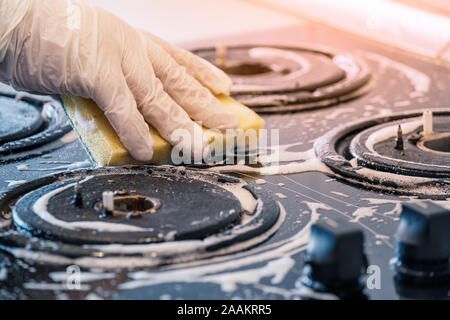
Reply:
x=348, y=211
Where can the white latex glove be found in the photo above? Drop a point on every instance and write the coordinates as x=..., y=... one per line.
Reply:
x=59, y=47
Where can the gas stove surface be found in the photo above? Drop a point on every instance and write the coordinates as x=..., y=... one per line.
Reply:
x=352, y=162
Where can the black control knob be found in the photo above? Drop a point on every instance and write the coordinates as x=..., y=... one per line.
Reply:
x=423, y=242
x=335, y=259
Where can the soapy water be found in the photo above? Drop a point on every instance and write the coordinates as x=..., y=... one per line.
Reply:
x=419, y=81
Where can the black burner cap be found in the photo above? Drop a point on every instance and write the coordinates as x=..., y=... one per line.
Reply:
x=70, y=215
x=423, y=240
x=156, y=208
x=335, y=257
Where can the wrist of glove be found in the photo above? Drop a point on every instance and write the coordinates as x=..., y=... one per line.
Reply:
x=136, y=78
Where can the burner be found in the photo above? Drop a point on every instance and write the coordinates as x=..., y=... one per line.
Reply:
x=136, y=211
x=279, y=78
x=402, y=153
x=18, y=119
x=30, y=127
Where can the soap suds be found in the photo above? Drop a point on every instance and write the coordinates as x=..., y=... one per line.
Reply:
x=382, y=236
x=401, y=180
x=93, y=296
x=420, y=81
x=188, y=250
x=87, y=124
x=84, y=276
x=291, y=168
x=284, y=249
x=69, y=166
x=281, y=154
x=361, y=213
x=260, y=181
x=52, y=286
x=395, y=211
x=13, y=183
x=339, y=194
x=275, y=269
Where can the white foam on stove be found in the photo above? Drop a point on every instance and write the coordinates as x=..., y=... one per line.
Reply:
x=419, y=80
x=282, y=154
x=364, y=212
x=151, y=252
x=310, y=165
x=68, y=166
x=276, y=270
x=260, y=181
x=46, y=286
x=396, y=208
x=13, y=183
x=278, y=258
x=409, y=181
x=84, y=276
x=340, y=194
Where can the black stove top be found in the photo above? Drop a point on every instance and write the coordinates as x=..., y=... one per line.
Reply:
x=322, y=228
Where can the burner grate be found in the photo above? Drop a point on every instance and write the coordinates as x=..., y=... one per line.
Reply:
x=204, y=213
x=281, y=78
x=392, y=153
x=30, y=128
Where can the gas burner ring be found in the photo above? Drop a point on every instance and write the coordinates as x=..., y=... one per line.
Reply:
x=42, y=130
x=385, y=153
x=211, y=233
x=274, y=78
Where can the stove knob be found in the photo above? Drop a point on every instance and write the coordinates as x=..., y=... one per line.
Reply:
x=335, y=259
x=423, y=242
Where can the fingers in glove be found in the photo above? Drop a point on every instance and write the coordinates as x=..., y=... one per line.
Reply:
x=196, y=100
x=164, y=114
x=119, y=106
x=206, y=73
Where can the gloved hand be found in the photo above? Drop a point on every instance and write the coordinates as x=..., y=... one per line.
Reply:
x=60, y=47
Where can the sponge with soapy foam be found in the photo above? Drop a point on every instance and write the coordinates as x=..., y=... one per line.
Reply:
x=105, y=147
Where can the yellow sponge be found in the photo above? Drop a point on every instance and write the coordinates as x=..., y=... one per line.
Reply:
x=104, y=146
